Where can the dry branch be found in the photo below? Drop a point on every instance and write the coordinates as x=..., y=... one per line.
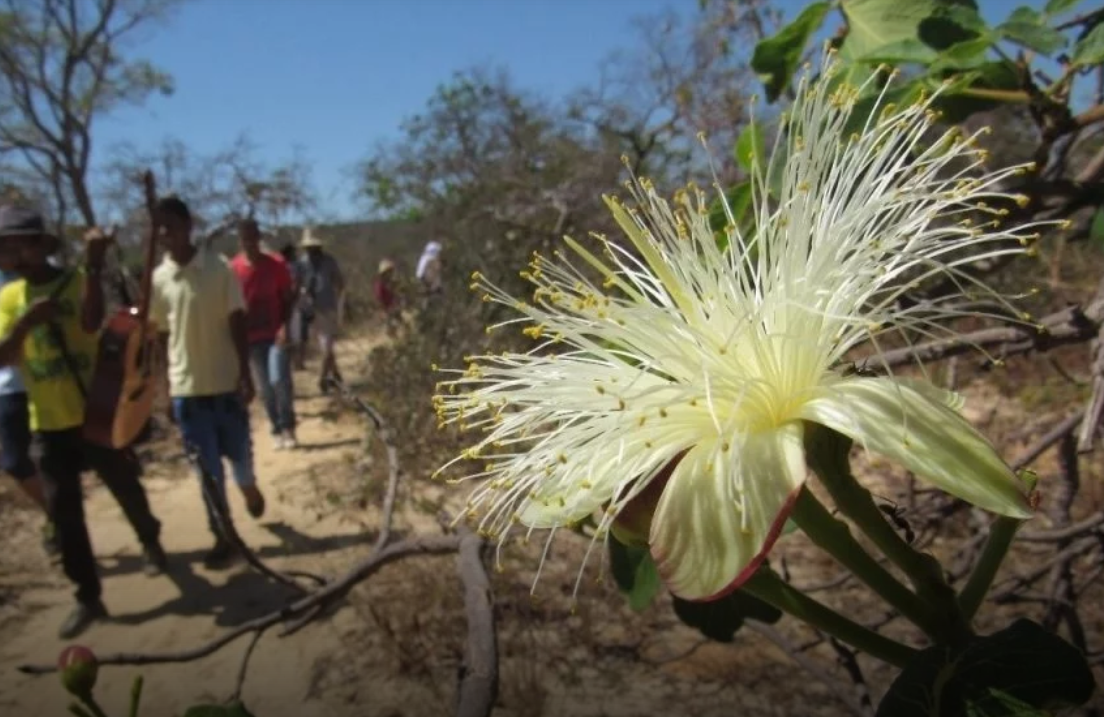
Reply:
x=1069, y=326
x=421, y=545
x=479, y=671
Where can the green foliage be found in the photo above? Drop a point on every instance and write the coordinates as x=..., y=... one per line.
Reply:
x=1058, y=7
x=1021, y=671
x=1090, y=49
x=635, y=574
x=874, y=24
x=776, y=59
x=1096, y=227
x=946, y=40
x=1028, y=27
x=720, y=619
x=751, y=148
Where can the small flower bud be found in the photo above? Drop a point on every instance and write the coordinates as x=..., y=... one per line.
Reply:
x=78, y=668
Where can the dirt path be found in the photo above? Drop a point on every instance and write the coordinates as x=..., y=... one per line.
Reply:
x=190, y=605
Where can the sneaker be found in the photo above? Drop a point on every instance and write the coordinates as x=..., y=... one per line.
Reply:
x=81, y=619
x=155, y=560
x=290, y=441
x=254, y=501
x=279, y=443
x=219, y=556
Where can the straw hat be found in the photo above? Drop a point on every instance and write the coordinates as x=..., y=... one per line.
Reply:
x=385, y=266
x=310, y=240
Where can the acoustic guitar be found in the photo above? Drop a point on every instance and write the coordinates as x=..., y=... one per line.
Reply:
x=123, y=386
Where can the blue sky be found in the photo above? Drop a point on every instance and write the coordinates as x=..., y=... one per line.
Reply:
x=333, y=77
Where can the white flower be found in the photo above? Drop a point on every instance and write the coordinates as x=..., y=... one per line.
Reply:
x=724, y=355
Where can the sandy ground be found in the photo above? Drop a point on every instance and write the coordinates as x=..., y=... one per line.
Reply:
x=190, y=604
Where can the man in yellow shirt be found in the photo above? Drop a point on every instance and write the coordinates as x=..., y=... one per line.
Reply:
x=198, y=306
x=50, y=321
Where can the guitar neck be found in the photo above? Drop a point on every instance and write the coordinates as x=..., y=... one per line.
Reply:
x=145, y=286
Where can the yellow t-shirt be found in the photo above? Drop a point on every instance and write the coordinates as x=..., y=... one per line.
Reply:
x=193, y=303
x=54, y=398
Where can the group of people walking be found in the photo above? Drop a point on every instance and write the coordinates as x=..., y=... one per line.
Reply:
x=225, y=328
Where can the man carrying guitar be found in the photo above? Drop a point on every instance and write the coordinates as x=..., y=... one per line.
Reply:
x=198, y=306
x=49, y=321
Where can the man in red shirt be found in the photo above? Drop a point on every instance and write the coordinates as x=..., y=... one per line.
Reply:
x=267, y=287
x=387, y=296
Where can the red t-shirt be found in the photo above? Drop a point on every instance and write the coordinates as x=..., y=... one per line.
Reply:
x=266, y=286
x=385, y=295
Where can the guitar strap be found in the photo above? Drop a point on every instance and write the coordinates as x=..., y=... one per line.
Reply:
x=59, y=336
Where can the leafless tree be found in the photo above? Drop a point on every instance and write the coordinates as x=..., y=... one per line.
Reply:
x=62, y=67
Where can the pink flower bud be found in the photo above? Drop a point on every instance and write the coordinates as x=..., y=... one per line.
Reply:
x=78, y=668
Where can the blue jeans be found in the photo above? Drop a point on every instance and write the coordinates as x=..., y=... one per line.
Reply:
x=272, y=376
x=216, y=427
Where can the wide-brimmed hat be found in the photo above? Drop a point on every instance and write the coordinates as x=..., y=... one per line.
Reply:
x=310, y=240
x=24, y=222
x=385, y=266
x=21, y=222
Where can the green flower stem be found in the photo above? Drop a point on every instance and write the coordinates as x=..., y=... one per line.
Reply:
x=78, y=711
x=834, y=537
x=135, y=695
x=827, y=454
x=771, y=589
x=977, y=586
x=94, y=707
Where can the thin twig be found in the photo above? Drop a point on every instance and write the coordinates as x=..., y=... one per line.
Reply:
x=1072, y=530
x=850, y=663
x=243, y=669
x=813, y=667
x=1070, y=325
x=385, y=435
x=1060, y=431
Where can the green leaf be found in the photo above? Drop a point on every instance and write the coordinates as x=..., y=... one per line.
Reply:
x=720, y=619
x=1028, y=27
x=233, y=710
x=963, y=55
x=1096, y=228
x=751, y=148
x=900, y=94
x=635, y=573
x=1090, y=49
x=776, y=58
x=909, y=50
x=739, y=201
x=1057, y=7
x=1025, y=14
x=950, y=24
x=1021, y=671
x=957, y=104
x=872, y=24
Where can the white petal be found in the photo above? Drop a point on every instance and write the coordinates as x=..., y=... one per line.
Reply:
x=722, y=511
x=951, y=399
x=925, y=436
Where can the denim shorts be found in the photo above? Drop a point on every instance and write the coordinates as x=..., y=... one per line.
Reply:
x=15, y=436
